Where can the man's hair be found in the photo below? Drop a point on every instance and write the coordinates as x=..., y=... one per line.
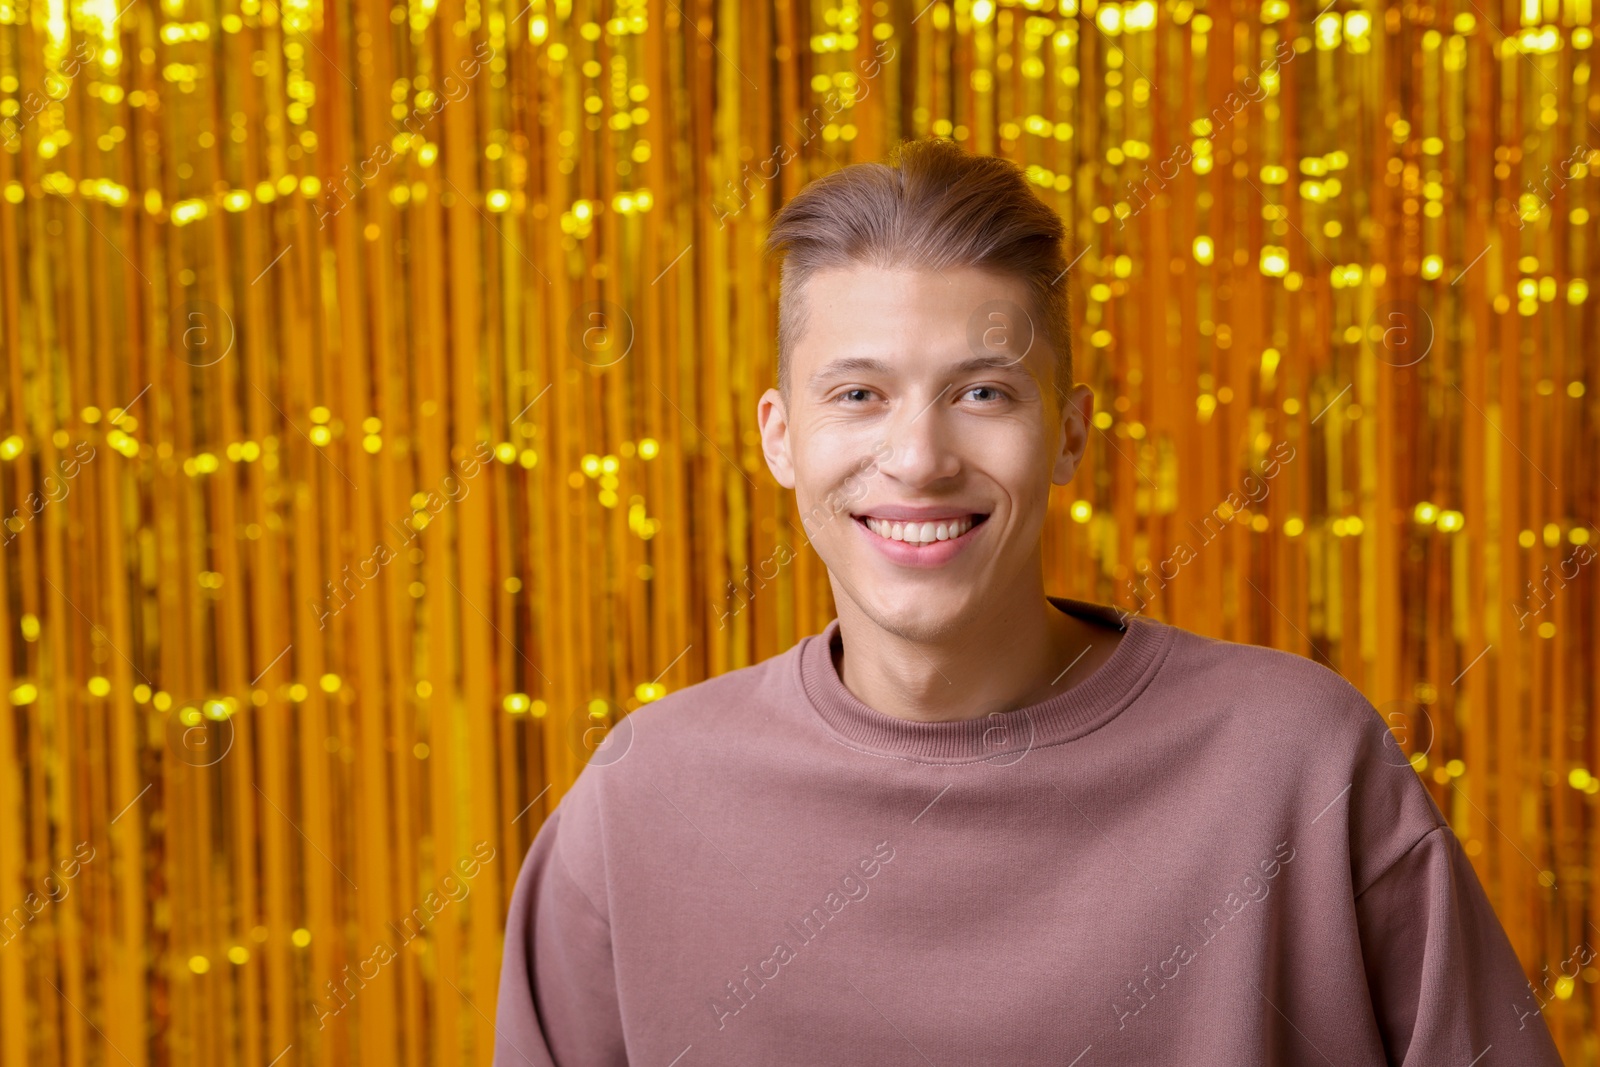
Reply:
x=932, y=206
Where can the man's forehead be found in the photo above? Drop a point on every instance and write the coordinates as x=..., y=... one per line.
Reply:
x=873, y=320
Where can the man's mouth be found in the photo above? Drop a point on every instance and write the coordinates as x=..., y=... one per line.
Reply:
x=922, y=531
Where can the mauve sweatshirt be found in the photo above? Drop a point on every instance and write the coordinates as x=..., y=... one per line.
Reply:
x=1205, y=853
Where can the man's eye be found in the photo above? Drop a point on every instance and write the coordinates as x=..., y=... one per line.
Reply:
x=993, y=393
x=854, y=395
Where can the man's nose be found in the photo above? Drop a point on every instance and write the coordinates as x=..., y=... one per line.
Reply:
x=922, y=448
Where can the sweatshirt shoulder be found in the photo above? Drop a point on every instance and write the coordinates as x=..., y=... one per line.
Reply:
x=678, y=737
x=1305, y=725
x=1289, y=695
x=713, y=702
x=697, y=728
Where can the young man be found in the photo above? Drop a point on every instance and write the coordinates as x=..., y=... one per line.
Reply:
x=970, y=823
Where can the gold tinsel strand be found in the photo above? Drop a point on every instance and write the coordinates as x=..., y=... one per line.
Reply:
x=377, y=430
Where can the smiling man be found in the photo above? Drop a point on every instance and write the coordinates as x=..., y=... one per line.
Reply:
x=971, y=822
x=937, y=570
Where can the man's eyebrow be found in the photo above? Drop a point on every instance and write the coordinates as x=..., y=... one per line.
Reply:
x=996, y=362
x=850, y=365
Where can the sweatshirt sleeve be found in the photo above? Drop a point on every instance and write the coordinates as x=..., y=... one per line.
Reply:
x=1446, y=985
x=558, y=997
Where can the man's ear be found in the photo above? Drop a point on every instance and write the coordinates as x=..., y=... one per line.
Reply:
x=772, y=416
x=1074, y=413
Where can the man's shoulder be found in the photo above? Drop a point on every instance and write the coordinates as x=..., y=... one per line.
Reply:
x=712, y=702
x=1299, y=722
x=701, y=738
x=1285, y=692
x=702, y=727
x=1267, y=706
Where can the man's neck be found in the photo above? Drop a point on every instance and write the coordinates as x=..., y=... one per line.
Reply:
x=1000, y=664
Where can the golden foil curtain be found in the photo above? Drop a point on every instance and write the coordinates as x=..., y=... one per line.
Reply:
x=377, y=430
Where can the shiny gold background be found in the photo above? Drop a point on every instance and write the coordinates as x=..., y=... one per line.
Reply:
x=377, y=428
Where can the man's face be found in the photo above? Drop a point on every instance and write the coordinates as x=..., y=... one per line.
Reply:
x=921, y=436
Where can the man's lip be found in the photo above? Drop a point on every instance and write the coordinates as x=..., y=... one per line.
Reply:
x=907, y=513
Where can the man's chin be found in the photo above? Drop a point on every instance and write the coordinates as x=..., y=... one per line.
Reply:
x=923, y=616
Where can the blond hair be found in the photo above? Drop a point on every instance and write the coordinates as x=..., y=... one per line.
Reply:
x=931, y=206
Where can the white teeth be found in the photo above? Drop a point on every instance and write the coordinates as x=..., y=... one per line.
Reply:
x=920, y=533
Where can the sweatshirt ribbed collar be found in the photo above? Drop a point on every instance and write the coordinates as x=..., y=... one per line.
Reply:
x=998, y=737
